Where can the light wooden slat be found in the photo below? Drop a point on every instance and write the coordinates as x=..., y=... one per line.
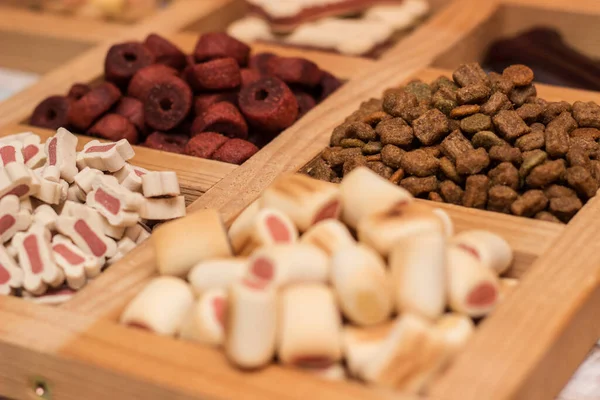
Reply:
x=589, y=7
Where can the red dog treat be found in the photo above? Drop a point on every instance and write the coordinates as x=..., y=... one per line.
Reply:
x=215, y=45
x=78, y=90
x=165, y=52
x=124, y=60
x=328, y=84
x=173, y=143
x=221, y=74
x=205, y=144
x=167, y=103
x=260, y=62
x=203, y=101
x=133, y=110
x=146, y=78
x=222, y=118
x=114, y=127
x=235, y=151
x=249, y=76
x=305, y=102
x=52, y=113
x=268, y=104
x=295, y=70
x=91, y=106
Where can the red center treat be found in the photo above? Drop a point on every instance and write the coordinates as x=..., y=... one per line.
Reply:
x=96, y=245
x=219, y=306
x=220, y=74
x=124, y=60
x=78, y=90
x=8, y=154
x=146, y=78
x=19, y=191
x=71, y=257
x=33, y=254
x=268, y=104
x=330, y=210
x=279, y=231
x=223, y=118
x=4, y=275
x=100, y=149
x=205, y=100
x=94, y=104
x=305, y=102
x=114, y=127
x=205, y=144
x=469, y=250
x=295, y=70
x=29, y=152
x=215, y=45
x=52, y=151
x=260, y=62
x=167, y=104
x=165, y=52
x=482, y=295
x=235, y=151
x=132, y=109
x=173, y=143
x=263, y=269
x=6, y=222
x=110, y=203
x=51, y=113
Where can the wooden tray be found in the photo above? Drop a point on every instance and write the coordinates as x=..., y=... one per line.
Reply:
x=527, y=349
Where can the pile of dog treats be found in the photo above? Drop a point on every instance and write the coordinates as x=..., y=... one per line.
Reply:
x=359, y=28
x=353, y=280
x=480, y=140
x=65, y=215
x=219, y=103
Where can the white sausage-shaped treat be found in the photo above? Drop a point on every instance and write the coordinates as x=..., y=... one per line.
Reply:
x=36, y=260
x=45, y=216
x=19, y=180
x=364, y=192
x=329, y=235
x=86, y=177
x=53, y=297
x=418, y=265
x=73, y=209
x=446, y=220
x=87, y=236
x=362, y=284
x=11, y=152
x=267, y=227
x=309, y=333
x=305, y=200
x=49, y=192
x=109, y=157
x=382, y=230
x=124, y=246
x=473, y=287
x=61, y=155
x=360, y=344
x=11, y=219
x=408, y=358
x=241, y=225
x=491, y=249
x=183, y=243
x=130, y=177
x=34, y=155
x=118, y=205
x=507, y=285
x=251, y=325
x=285, y=264
x=21, y=136
x=163, y=208
x=74, y=193
x=137, y=233
x=76, y=263
x=161, y=306
x=335, y=372
x=11, y=276
x=456, y=330
x=205, y=323
x=160, y=183
x=216, y=273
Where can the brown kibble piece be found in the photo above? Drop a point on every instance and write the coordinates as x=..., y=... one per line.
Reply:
x=295, y=70
x=421, y=90
x=578, y=156
x=51, y=113
x=380, y=168
x=530, y=203
x=205, y=144
x=94, y=104
x=361, y=131
x=500, y=83
x=165, y=52
x=353, y=163
x=557, y=134
x=395, y=131
x=146, y=78
x=123, y=60
x=506, y=153
x=546, y=216
x=530, y=112
x=222, y=118
x=473, y=162
x=476, y=123
x=465, y=110
x=473, y=94
x=392, y=156
x=510, y=125
x=537, y=126
x=235, y=151
x=443, y=82
x=375, y=118
x=397, y=176
x=505, y=174
x=372, y=148
x=435, y=196
x=587, y=114
x=595, y=170
x=216, y=45
x=449, y=170
x=451, y=192
x=487, y=140
x=520, y=95
x=348, y=142
x=582, y=181
x=547, y=173
x=167, y=103
x=586, y=133
x=520, y=75
x=497, y=101
x=553, y=191
x=476, y=191
x=336, y=156
x=220, y=74
x=419, y=163
x=553, y=110
x=133, y=110
x=444, y=100
x=532, y=159
x=320, y=170
x=470, y=74
x=434, y=151
x=430, y=127
x=399, y=103
x=455, y=145
x=173, y=143
x=501, y=198
x=419, y=186
x=534, y=140
x=565, y=207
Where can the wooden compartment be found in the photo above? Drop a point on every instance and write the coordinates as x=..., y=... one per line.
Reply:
x=527, y=349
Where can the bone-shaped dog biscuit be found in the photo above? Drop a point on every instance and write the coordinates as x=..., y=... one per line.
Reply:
x=73, y=209
x=50, y=192
x=86, y=177
x=12, y=219
x=160, y=183
x=118, y=205
x=109, y=157
x=124, y=246
x=11, y=276
x=11, y=152
x=61, y=155
x=74, y=193
x=216, y=273
x=86, y=236
x=206, y=321
x=130, y=177
x=34, y=154
x=16, y=136
x=74, y=262
x=163, y=208
x=138, y=233
x=17, y=179
x=45, y=216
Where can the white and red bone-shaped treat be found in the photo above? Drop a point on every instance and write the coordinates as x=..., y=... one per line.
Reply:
x=362, y=284
x=76, y=264
x=74, y=193
x=61, y=155
x=25, y=204
x=118, y=205
x=456, y=330
x=11, y=250
x=285, y=264
x=17, y=179
x=304, y=200
x=45, y=216
x=446, y=221
x=124, y=246
x=50, y=192
x=251, y=327
x=12, y=220
x=53, y=297
x=492, y=250
x=160, y=184
x=163, y=208
x=161, y=306
x=309, y=333
x=11, y=276
x=138, y=233
x=130, y=177
x=86, y=177
x=183, y=243
x=34, y=154
x=382, y=230
x=364, y=192
x=329, y=235
x=109, y=157
x=264, y=228
x=418, y=265
x=36, y=260
x=87, y=236
x=217, y=273
x=473, y=287
x=206, y=321
x=20, y=137
x=507, y=285
x=74, y=209
x=11, y=152
x=361, y=343
x=335, y=372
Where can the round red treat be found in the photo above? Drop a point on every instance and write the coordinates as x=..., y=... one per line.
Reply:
x=268, y=104
x=235, y=151
x=328, y=85
x=205, y=144
x=52, y=113
x=173, y=143
x=146, y=78
x=167, y=103
x=260, y=62
x=221, y=74
x=215, y=45
x=305, y=102
x=295, y=70
x=133, y=110
x=205, y=100
x=165, y=52
x=93, y=105
x=78, y=90
x=249, y=76
x=124, y=60
x=222, y=118
x=114, y=127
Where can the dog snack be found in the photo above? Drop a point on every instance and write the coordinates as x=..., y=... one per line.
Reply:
x=34, y=154
x=109, y=157
x=11, y=276
x=478, y=140
x=13, y=218
x=11, y=152
x=335, y=301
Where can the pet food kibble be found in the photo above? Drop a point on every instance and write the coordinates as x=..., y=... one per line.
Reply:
x=419, y=186
x=52, y=113
x=500, y=83
x=510, y=125
x=473, y=94
x=420, y=89
x=553, y=110
x=530, y=112
x=505, y=174
x=506, y=153
x=451, y=192
x=476, y=191
x=497, y=101
x=472, y=162
x=220, y=74
x=354, y=163
x=465, y=111
x=419, y=163
x=500, y=198
x=167, y=103
x=399, y=103
x=587, y=114
x=531, y=141
x=530, y=203
x=557, y=134
x=449, y=170
x=224, y=118
x=547, y=173
x=165, y=52
x=372, y=148
x=392, y=156
x=476, y=123
x=205, y=144
x=435, y=196
x=455, y=146
x=124, y=60
x=553, y=191
x=565, y=207
x=217, y=45
x=520, y=95
x=586, y=133
x=582, y=181
x=531, y=160
x=546, y=216
x=430, y=127
x=361, y=131
x=520, y=75
x=115, y=127
x=487, y=140
x=470, y=74
x=146, y=78
x=294, y=70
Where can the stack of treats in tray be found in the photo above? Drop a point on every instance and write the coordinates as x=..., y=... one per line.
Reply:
x=350, y=27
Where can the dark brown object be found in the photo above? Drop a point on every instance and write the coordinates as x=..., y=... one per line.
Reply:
x=220, y=74
x=557, y=134
x=133, y=110
x=94, y=104
x=431, y=127
x=392, y=156
x=419, y=186
x=470, y=74
x=165, y=52
x=395, y=131
x=305, y=102
x=327, y=85
x=205, y=100
x=476, y=191
x=295, y=70
x=506, y=153
x=51, y=113
x=78, y=90
x=534, y=140
x=501, y=198
x=146, y=78
x=167, y=103
x=582, y=181
x=419, y=163
x=472, y=162
x=520, y=75
x=451, y=192
x=235, y=151
x=510, y=125
x=587, y=114
x=249, y=76
x=473, y=94
x=497, y=101
x=223, y=118
x=205, y=144
x=530, y=203
x=114, y=127
x=173, y=143
x=124, y=60
x=565, y=207
x=216, y=45
x=260, y=62
x=505, y=174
